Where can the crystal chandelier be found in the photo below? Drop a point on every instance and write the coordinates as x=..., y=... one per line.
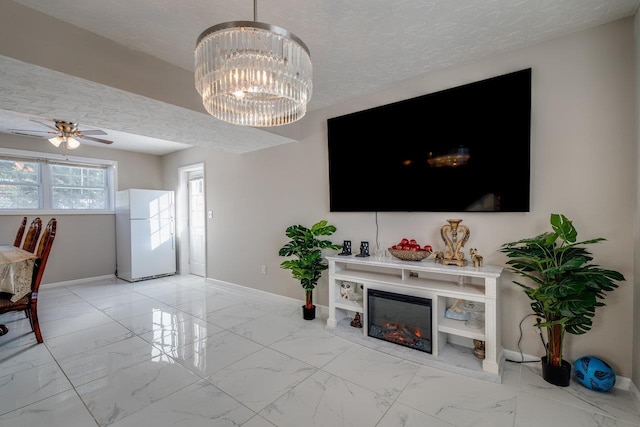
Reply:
x=253, y=74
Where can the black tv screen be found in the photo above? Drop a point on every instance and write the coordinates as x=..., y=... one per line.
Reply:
x=458, y=150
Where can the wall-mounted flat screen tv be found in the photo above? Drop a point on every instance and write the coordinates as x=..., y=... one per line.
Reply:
x=458, y=150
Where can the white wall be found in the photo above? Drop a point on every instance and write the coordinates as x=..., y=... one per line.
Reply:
x=583, y=165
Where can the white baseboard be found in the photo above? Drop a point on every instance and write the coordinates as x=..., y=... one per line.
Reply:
x=321, y=309
x=86, y=280
x=634, y=392
x=516, y=356
x=623, y=383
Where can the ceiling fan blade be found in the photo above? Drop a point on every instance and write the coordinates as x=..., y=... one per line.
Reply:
x=30, y=130
x=27, y=134
x=92, y=132
x=45, y=125
x=90, y=138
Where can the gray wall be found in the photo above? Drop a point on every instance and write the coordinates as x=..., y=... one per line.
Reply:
x=85, y=243
x=583, y=165
x=636, y=223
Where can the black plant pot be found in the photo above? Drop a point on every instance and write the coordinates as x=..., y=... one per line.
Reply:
x=308, y=313
x=556, y=375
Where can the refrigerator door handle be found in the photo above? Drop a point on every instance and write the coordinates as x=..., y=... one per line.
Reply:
x=173, y=234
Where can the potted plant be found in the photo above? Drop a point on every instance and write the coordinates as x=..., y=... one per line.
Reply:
x=565, y=287
x=308, y=264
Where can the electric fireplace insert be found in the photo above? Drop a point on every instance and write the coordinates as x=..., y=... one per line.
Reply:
x=400, y=319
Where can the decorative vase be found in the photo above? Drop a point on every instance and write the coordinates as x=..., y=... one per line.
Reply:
x=556, y=375
x=450, y=234
x=308, y=313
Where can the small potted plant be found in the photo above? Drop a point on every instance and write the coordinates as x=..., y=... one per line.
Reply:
x=308, y=264
x=565, y=287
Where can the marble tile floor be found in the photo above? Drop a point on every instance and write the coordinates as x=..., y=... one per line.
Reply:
x=180, y=351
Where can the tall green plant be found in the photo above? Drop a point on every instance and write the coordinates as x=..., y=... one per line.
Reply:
x=306, y=248
x=565, y=287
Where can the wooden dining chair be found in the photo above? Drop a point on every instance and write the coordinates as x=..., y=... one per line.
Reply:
x=20, y=232
x=29, y=303
x=31, y=239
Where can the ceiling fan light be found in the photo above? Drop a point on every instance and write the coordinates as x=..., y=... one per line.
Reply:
x=253, y=74
x=56, y=141
x=72, y=143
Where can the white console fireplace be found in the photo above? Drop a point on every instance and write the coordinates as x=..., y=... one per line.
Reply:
x=425, y=280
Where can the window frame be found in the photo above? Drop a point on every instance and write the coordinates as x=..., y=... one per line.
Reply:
x=46, y=185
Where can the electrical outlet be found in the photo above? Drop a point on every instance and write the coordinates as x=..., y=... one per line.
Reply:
x=264, y=269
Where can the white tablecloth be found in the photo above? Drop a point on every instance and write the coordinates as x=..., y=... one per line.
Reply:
x=16, y=270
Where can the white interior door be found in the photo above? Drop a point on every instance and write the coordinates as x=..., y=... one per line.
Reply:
x=196, y=225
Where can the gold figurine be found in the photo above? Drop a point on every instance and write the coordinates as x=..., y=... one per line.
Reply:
x=475, y=257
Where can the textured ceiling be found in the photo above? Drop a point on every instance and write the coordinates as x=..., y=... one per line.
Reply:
x=357, y=46
x=133, y=122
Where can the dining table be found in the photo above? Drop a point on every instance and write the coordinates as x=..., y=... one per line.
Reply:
x=16, y=272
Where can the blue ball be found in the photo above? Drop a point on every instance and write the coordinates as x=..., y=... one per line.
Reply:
x=594, y=374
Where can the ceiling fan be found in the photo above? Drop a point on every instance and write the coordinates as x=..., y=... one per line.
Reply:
x=66, y=132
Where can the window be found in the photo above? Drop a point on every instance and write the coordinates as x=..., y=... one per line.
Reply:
x=51, y=183
x=19, y=185
x=78, y=187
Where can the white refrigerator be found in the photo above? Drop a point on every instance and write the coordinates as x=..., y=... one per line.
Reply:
x=145, y=234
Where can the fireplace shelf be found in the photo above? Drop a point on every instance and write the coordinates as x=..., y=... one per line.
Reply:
x=427, y=279
x=458, y=328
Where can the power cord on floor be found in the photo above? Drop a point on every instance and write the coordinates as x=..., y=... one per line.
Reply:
x=520, y=340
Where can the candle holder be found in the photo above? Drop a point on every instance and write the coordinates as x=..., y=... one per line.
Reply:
x=346, y=248
x=454, y=255
x=364, y=250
